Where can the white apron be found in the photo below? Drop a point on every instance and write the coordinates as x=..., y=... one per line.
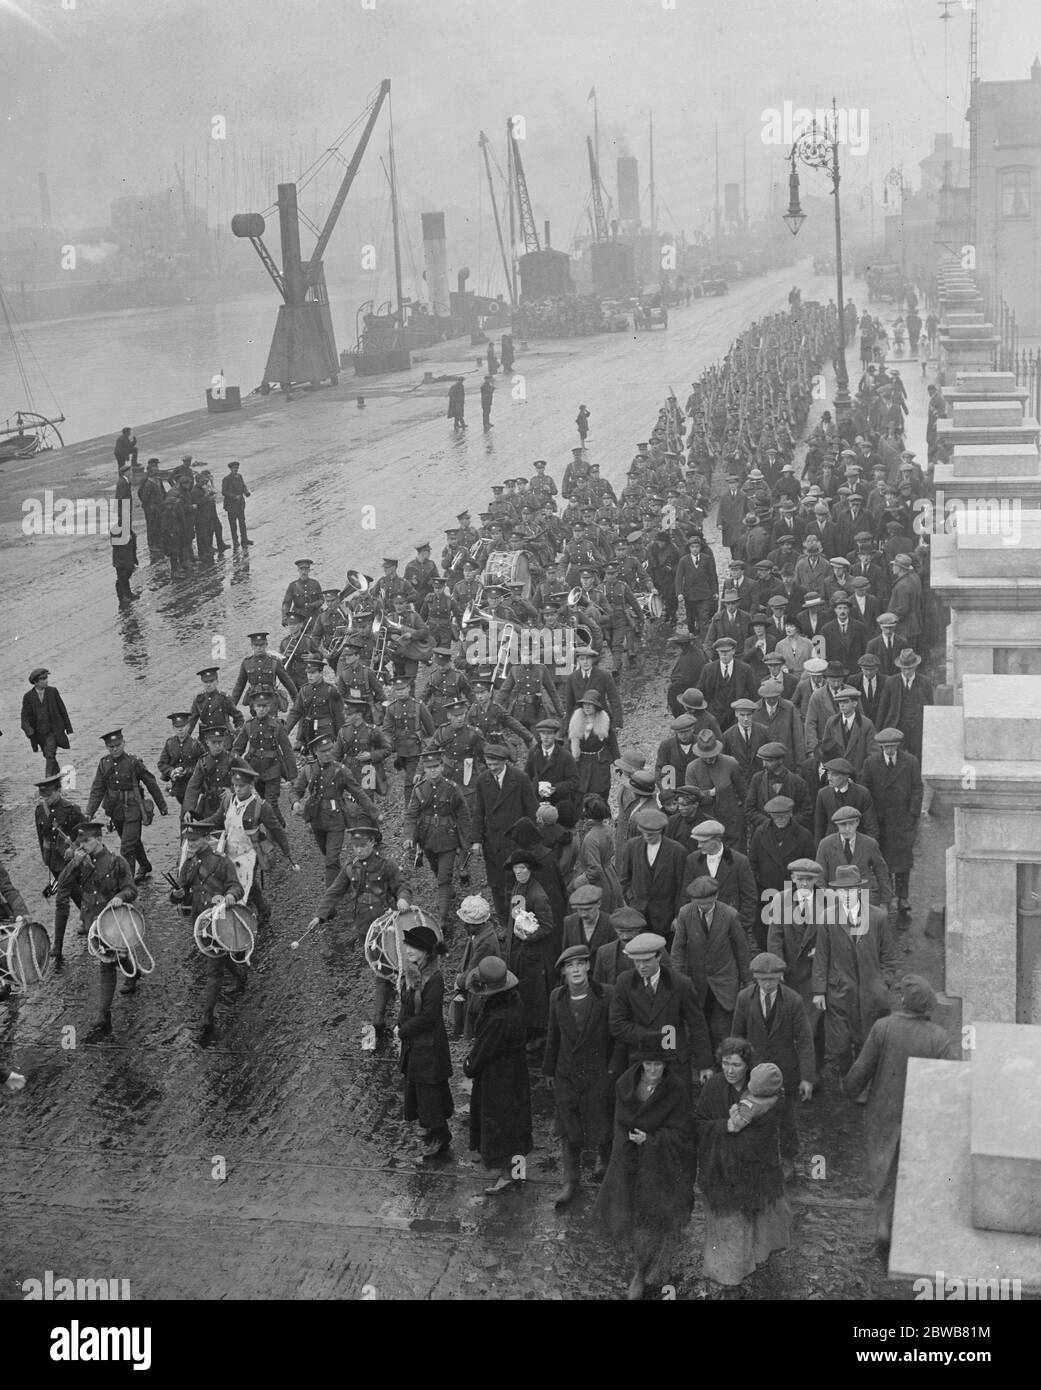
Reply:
x=239, y=846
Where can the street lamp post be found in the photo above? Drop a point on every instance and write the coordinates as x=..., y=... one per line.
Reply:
x=819, y=150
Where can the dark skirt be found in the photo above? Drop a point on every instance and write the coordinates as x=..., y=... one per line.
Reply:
x=429, y=1102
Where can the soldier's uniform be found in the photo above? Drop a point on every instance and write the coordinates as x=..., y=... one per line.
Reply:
x=525, y=693
x=98, y=880
x=445, y=686
x=624, y=624
x=492, y=722
x=440, y=614
x=352, y=673
x=318, y=707
x=203, y=876
x=180, y=754
x=329, y=620
x=368, y=888
x=462, y=750
x=210, y=779
x=261, y=669
x=438, y=821
x=408, y=725
x=464, y=593
x=296, y=649
x=262, y=742
x=332, y=802
x=389, y=586
x=56, y=826
x=363, y=748
x=421, y=573
x=260, y=828
x=117, y=786
x=304, y=594
x=213, y=707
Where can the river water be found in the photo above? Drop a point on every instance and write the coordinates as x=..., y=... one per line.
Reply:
x=104, y=371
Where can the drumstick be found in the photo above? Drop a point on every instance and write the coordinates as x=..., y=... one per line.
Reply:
x=294, y=944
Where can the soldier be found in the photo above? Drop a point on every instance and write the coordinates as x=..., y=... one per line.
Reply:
x=488, y=717
x=57, y=822
x=180, y=754
x=389, y=584
x=211, y=776
x=178, y=527
x=261, y=668
x=421, y=573
x=407, y=723
x=437, y=820
x=249, y=824
x=100, y=878
x=117, y=785
x=542, y=485
x=462, y=749
x=446, y=685
x=332, y=802
x=353, y=673
x=234, y=491
x=328, y=620
x=360, y=746
x=623, y=626
x=529, y=691
x=205, y=880
x=262, y=743
x=211, y=706
x=297, y=646
x=372, y=886
x=318, y=706
x=304, y=594
x=440, y=612
x=413, y=643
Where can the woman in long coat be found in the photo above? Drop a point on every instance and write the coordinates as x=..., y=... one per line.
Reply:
x=648, y=1190
x=716, y=772
x=596, y=856
x=593, y=744
x=425, y=1060
x=546, y=872
x=746, y=1213
x=883, y=1063
x=500, y=1103
x=527, y=950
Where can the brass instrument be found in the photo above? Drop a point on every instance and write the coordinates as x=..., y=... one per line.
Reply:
x=383, y=628
x=289, y=655
x=574, y=596
x=502, y=660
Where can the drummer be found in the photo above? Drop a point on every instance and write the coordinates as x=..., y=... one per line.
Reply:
x=206, y=880
x=371, y=886
x=250, y=827
x=101, y=878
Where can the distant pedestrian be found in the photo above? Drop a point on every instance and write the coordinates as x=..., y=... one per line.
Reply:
x=457, y=403
x=124, y=561
x=234, y=491
x=151, y=494
x=493, y=361
x=487, y=395
x=125, y=447
x=582, y=421
x=506, y=351
x=45, y=720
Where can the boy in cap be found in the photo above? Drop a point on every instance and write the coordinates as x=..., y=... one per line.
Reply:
x=581, y=1063
x=57, y=822
x=117, y=786
x=611, y=961
x=211, y=776
x=180, y=754
x=211, y=706
x=249, y=827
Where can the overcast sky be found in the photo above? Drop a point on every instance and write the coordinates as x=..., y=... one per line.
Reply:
x=105, y=95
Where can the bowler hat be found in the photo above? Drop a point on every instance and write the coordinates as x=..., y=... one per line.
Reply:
x=491, y=977
x=424, y=939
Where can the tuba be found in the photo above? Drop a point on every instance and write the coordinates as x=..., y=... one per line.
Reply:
x=116, y=936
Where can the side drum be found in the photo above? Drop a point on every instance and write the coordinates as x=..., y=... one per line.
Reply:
x=230, y=932
x=117, y=936
x=24, y=954
x=383, y=939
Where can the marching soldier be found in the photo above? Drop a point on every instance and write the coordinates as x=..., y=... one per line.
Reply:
x=206, y=879
x=542, y=485
x=413, y=643
x=529, y=692
x=623, y=625
x=390, y=583
x=304, y=594
x=318, y=706
x=360, y=746
x=261, y=668
x=329, y=619
x=421, y=573
x=465, y=591
x=117, y=785
x=437, y=820
x=100, y=878
x=211, y=706
x=249, y=826
x=331, y=800
x=407, y=723
x=445, y=686
x=468, y=537
x=370, y=886
x=57, y=822
x=440, y=613
x=211, y=776
x=297, y=646
x=180, y=754
x=354, y=673
x=489, y=718
x=462, y=750
x=262, y=743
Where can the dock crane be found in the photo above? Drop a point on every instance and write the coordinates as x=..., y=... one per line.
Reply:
x=599, y=217
x=482, y=141
x=528, y=230
x=303, y=348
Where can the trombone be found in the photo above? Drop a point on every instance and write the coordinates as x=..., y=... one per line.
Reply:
x=382, y=630
x=502, y=660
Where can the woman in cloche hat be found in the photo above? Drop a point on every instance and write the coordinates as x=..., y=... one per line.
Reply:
x=425, y=1060
x=500, y=1103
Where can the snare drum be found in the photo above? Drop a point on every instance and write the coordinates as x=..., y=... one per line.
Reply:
x=384, y=936
x=24, y=954
x=651, y=605
x=509, y=567
x=117, y=936
x=230, y=931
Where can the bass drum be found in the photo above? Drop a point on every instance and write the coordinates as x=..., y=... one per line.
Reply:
x=383, y=937
x=117, y=936
x=509, y=567
x=24, y=954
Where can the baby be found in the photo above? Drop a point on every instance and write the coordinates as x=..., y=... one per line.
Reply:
x=765, y=1085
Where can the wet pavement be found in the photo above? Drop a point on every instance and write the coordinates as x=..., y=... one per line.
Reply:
x=275, y=1163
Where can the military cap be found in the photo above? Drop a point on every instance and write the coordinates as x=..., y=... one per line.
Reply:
x=299, y=563
x=321, y=741
x=113, y=736
x=241, y=768
x=46, y=782
x=368, y=832
x=258, y=636
x=194, y=829
x=387, y=561
x=89, y=829
x=425, y=546
x=213, y=731
x=207, y=673
x=314, y=659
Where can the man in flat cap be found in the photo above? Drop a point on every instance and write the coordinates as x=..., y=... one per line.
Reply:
x=848, y=733
x=776, y=842
x=581, y=1064
x=893, y=779
x=725, y=680
x=45, y=720
x=587, y=924
x=611, y=961
x=771, y=1016
x=653, y=1003
x=882, y=1065
x=651, y=871
x=841, y=791
x=710, y=947
x=728, y=868
x=848, y=845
